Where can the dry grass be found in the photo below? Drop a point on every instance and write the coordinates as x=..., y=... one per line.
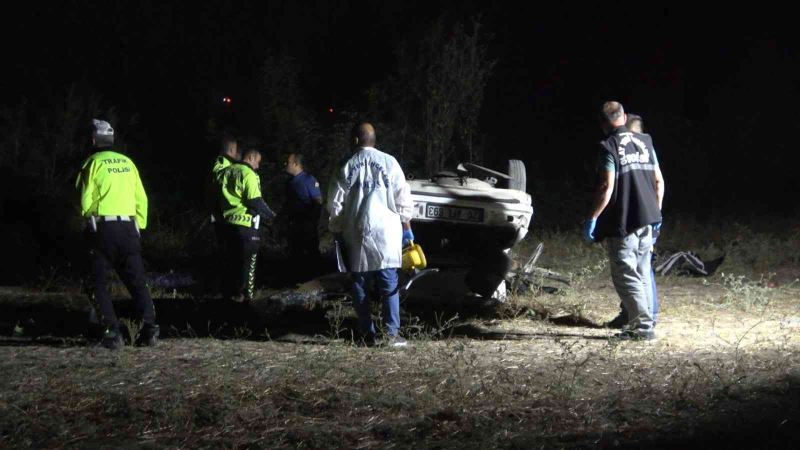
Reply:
x=538, y=373
x=548, y=384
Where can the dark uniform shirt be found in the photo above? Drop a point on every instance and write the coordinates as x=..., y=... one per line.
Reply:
x=634, y=201
x=301, y=190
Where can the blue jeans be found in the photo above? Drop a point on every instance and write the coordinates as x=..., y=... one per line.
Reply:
x=654, y=305
x=631, y=273
x=386, y=286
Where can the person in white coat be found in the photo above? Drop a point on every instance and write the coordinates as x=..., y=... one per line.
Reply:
x=370, y=210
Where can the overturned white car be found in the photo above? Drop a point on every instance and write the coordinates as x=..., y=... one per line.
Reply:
x=463, y=221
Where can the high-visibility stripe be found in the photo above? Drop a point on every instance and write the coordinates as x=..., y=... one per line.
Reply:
x=251, y=277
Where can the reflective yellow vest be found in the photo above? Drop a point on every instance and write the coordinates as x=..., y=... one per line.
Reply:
x=220, y=164
x=109, y=185
x=238, y=182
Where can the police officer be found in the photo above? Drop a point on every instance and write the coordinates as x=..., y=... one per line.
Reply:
x=229, y=154
x=243, y=210
x=626, y=208
x=114, y=204
x=302, y=210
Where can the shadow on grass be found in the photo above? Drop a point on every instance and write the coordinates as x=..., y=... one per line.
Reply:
x=64, y=319
x=572, y=320
x=473, y=331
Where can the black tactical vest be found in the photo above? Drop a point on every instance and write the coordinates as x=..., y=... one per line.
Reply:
x=633, y=203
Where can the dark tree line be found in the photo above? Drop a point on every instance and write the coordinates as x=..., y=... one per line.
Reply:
x=426, y=114
x=721, y=111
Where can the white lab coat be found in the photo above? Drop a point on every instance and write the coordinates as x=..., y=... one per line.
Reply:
x=368, y=201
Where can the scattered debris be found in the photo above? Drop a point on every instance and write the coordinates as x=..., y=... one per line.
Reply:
x=688, y=263
x=531, y=278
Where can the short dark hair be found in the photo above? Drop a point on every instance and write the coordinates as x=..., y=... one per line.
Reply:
x=298, y=158
x=365, y=133
x=612, y=111
x=634, y=118
x=227, y=140
x=250, y=151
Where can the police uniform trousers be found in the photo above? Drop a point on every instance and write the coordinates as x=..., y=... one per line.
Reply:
x=241, y=246
x=302, y=236
x=303, y=239
x=115, y=245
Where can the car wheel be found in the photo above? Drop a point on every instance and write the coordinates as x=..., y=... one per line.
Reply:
x=518, y=181
x=487, y=274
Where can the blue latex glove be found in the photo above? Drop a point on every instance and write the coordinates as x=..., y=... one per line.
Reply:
x=588, y=230
x=657, y=227
x=408, y=237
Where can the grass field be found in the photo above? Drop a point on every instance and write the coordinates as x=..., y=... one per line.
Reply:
x=536, y=372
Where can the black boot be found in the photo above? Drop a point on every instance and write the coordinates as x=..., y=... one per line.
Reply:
x=112, y=339
x=148, y=336
x=618, y=322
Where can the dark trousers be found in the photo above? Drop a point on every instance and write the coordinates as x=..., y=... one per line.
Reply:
x=219, y=277
x=220, y=228
x=241, y=248
x=116, y=246
x=303, y=240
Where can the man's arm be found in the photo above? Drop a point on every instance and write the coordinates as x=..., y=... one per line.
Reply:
x=260, y=207
x=660, y=186
x=141, y=202
x=316, y=198
x=86, y=187
x=602, y=195
x=314, y=192
x=336, y=195
x=402, y=196
x=403, y=202
x=405, y=205
x=251, y=197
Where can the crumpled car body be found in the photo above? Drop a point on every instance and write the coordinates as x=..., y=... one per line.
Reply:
x=466, y=222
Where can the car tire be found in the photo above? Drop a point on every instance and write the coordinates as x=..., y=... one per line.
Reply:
x=483, y=283
x=519, y=180
x=486, y=275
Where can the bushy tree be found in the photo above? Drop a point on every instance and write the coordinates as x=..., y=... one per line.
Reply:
x=442, y=78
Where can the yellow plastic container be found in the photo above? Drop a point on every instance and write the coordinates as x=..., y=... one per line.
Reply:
x=413, y=257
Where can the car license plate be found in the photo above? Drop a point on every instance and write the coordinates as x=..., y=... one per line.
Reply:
x=434, y=211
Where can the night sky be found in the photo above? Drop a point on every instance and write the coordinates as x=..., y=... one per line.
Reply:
x=718, y=88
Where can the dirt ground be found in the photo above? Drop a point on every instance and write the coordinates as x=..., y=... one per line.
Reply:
x=539, y=373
